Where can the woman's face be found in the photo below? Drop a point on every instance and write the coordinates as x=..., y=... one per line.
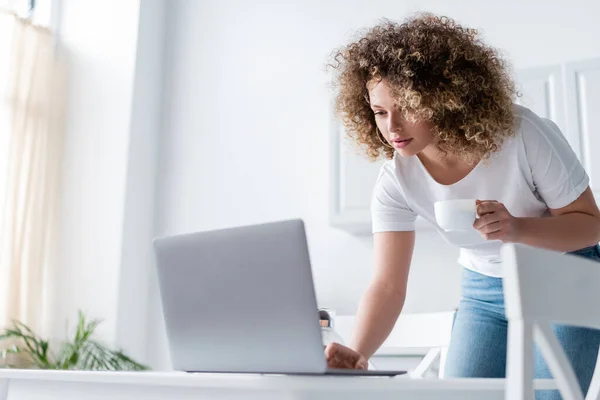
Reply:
x=406, y=137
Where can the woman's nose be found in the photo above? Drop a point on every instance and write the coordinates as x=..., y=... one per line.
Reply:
x=393, y=125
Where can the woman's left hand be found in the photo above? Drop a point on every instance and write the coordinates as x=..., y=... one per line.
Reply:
x=495, y=222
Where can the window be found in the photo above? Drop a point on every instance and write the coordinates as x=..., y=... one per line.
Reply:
x=24, y=252
x=6, y=28
x=40, y=12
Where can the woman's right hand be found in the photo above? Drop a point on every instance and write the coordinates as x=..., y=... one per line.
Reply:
x=339, y=356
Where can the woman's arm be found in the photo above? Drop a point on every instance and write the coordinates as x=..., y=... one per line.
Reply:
x=382, y=302
x=568, y=229
x=561, y=181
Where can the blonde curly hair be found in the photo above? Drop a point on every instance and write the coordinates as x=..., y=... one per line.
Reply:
x=439, y=71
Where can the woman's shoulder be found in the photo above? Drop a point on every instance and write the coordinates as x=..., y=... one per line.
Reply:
x=532, y=127
x=540, y=137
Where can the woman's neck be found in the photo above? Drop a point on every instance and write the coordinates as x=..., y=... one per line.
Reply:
x=444, y=168
x=432, y=156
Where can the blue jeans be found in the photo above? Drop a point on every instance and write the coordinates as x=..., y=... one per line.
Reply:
x=478, y=344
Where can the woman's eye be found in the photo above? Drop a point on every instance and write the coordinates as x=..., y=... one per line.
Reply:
x=379, y=112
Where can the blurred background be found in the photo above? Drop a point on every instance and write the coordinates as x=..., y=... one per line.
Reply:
x=170, y=116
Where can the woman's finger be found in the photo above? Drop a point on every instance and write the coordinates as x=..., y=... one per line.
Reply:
x=498, y=235
x=340, y=362
x=362, y=364
x=339, y=356
x=332, y=349
x=487, y=219
x=491, y=228
x=487, y=207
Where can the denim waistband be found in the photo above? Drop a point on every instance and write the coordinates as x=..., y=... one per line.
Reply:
x=592, y=252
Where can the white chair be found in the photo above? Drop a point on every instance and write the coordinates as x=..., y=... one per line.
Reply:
x=413, y=333
x=542, y=287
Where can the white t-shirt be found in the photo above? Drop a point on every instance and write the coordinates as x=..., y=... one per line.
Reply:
x=535, y=169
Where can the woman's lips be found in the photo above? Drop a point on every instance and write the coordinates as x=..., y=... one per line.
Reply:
x=401, y=143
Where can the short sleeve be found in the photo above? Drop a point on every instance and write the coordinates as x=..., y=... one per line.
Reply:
x=389, y=210
x=558, y=176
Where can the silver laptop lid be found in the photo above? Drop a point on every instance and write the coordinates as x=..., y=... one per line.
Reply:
x=240, y=300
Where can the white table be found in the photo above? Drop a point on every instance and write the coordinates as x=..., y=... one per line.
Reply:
x=60, y=385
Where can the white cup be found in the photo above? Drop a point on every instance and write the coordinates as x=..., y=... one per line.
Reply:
x=455, y=215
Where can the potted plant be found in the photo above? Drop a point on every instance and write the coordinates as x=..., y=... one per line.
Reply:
x=20, y=347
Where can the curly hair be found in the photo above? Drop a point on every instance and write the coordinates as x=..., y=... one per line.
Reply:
x=439, y=71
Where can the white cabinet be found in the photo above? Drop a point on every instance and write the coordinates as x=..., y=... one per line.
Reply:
x=569, y=94
x=352, y=179
x=542, y=91
x=401, y=363
x=583, y=100
x=353, y=176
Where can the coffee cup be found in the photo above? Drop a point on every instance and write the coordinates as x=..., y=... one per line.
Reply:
x=455, y=215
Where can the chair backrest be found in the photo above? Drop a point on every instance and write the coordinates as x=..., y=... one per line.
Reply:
x=543, y=287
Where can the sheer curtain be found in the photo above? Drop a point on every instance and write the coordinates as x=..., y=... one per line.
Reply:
x=31, y=140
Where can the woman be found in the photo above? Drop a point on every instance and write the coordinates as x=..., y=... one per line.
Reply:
x=431, y=97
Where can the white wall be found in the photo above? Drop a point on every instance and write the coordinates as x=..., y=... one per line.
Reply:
x=101, y=71
x=137, y=259
x=245, y=134
x=115, y=52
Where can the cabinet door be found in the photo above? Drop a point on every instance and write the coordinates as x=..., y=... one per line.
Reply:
x=352, y=179
x=542, y=91
x=583, y=96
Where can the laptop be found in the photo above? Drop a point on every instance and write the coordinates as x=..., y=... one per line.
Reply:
x=242, y=300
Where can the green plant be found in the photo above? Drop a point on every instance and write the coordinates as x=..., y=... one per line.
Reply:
x=25, y=349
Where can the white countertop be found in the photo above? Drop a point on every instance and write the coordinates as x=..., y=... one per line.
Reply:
x=262, y=382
